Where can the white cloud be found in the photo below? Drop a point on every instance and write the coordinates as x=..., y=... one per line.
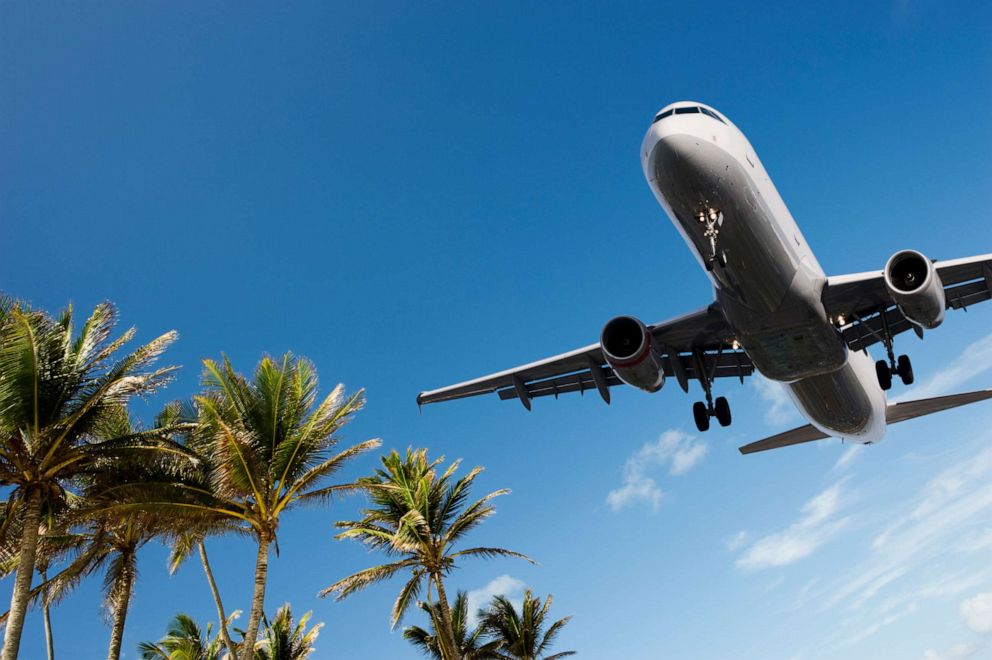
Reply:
x=800, y=539
x=504, y=585
x=956, y=652
x=780, y=409
x=848, y=456
x=678, y=449
x=738, y=540
x=976, y=359
x=977, y=613
x=950, y=513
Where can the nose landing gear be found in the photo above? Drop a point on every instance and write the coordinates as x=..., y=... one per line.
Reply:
x=713, y=220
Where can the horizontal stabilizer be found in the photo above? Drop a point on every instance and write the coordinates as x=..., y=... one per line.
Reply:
x=894, y=413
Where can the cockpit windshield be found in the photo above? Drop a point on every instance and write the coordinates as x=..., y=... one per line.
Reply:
x=692, y=109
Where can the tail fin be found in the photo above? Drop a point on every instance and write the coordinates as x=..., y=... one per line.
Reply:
x=894, y=413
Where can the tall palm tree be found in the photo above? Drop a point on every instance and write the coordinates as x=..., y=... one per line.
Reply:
x=418, y=514
x=263, y=446
x=54, y=541
x=184, y=640
x=471, y=643
x=55, y=388
x=522, y=635
x=183, y=546
x=284, y=639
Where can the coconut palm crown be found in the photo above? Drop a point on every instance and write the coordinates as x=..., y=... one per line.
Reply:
x=472, y=644
x=522, y=635
x=264, y=446
x=419, y=514
x=286, y=639
x=56, y=387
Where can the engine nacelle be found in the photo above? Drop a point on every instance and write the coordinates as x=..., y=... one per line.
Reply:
x=916, y=288
x=626, y=345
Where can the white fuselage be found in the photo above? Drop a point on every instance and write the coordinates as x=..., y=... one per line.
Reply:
x=766, y=279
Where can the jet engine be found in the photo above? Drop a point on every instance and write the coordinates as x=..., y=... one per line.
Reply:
x=626, y=345
x=916, y=288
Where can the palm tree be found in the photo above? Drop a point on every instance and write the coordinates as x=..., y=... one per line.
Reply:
x=471, y=644
x=419, y=515
x=286, y=640
x=109, y=545
x=53, y=542
x=184, y=640
x=55, y=388
x=263, y=446
x=182, y=548
x=521, y=635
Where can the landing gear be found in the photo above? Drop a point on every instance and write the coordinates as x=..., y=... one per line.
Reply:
x=702, y=416
x=702, y=411
x=721, y=410
x=885, y=368
x=884, y=374
x=713, y=220
x=905, y=370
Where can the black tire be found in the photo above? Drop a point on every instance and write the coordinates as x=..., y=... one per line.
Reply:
x=905, y=369
x=884, y=374
x=702, y=416
x=709, y=264
x=722, y=259
x=721, y=410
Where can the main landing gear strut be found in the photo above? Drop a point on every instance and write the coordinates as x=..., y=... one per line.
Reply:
x=713, y=220
x=885, y=368
x=719, y=408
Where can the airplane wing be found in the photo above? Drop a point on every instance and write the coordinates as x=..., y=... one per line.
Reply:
x=686, y=344
x=862, y=298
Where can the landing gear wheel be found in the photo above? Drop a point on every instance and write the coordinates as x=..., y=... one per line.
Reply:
x=701, y=415
x=884, y=374
x=721, y=410
x=722, y=260
x=905, y=370
x=710, y=264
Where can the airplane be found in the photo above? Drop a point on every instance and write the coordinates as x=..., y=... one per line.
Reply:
x=774, y=311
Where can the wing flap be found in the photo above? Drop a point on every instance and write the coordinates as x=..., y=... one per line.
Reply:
x=726, y=364
x=704, y=331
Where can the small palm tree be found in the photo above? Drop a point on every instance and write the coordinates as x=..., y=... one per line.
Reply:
x=184, y=640
x=419, y=515
x=55, y=388
x=285, y=639
x=471, y=644
x=522, y=635
x=263, y=446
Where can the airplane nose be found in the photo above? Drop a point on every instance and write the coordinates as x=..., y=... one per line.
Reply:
x=686, y=158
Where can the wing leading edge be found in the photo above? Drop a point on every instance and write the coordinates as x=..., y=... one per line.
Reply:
x=697, y=341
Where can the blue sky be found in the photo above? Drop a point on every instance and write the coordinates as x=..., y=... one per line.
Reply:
x=412, y=195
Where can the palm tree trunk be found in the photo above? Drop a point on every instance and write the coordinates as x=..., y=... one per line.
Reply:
x=448, y=634
x=47, y=613
x=25, y=571
x=225, y=637
x=258, y=599
x=120, y=614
